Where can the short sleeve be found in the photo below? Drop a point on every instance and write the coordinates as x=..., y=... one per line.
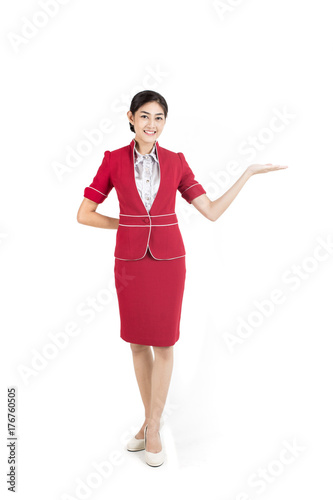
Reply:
x=101, y=185
x=189, y=187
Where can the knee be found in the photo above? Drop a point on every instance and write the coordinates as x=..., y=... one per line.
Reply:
x=136, y=348
x=164, y=352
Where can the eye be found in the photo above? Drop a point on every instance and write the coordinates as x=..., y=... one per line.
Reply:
x=144, y=116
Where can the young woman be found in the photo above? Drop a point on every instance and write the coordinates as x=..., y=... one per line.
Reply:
x=150, y=266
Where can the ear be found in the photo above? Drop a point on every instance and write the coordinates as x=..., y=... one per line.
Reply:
x=130, y=116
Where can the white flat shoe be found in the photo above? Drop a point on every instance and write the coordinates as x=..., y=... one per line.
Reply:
x=135, y=444
x=153, y=459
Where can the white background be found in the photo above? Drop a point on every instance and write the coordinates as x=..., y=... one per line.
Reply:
x=226, y=70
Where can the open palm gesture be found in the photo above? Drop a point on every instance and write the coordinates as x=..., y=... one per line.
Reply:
x=262, y=169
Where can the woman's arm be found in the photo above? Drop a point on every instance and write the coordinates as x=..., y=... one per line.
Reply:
x=213, y=209
x=87, y=215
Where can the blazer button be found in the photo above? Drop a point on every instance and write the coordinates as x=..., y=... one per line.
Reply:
x=146, y=219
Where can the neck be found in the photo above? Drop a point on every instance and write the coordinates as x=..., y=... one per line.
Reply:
x=143, y=147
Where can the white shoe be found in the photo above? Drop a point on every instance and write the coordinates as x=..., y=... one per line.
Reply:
x=135, y=444
x=153, y=459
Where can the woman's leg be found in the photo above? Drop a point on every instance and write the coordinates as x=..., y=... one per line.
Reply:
x=143, y=367
x=153, y=377
x=160, y=382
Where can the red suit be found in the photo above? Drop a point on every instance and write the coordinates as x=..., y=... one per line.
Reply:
x=150, y=304
x=139, y=229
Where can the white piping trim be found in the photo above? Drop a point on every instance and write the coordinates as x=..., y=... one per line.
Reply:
x=145, y=251
x=151, y=225
x=172, y=258
x=133, y=174
x=190, y=187
x=162, y=215
x=145, y=215
x=97, y=190
x=130, y=215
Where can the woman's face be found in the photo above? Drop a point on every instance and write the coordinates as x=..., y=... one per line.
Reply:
x=148, y=121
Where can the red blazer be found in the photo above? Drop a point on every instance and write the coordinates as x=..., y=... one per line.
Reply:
x=139, y=229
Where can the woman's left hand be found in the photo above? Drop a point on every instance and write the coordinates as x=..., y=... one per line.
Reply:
x=262, y=169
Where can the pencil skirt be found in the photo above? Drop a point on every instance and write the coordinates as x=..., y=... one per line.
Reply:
x=150, y=295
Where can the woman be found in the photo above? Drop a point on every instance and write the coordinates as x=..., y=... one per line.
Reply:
x=150, y=266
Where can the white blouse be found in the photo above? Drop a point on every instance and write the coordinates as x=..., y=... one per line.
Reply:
x=147, y=176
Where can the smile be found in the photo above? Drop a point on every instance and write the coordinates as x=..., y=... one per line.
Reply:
x=149, y=132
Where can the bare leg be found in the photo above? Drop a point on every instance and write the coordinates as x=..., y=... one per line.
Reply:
x=143, y=367
x=160, y=382
x=153, y=377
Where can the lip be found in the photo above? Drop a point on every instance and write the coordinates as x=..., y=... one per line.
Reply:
x=150, y=132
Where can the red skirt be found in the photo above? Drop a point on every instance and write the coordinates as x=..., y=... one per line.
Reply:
x=150, y=295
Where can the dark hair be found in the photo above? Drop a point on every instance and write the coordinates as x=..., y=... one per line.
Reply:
x=144, y=97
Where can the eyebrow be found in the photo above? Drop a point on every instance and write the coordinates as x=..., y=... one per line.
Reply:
x=150, y=113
